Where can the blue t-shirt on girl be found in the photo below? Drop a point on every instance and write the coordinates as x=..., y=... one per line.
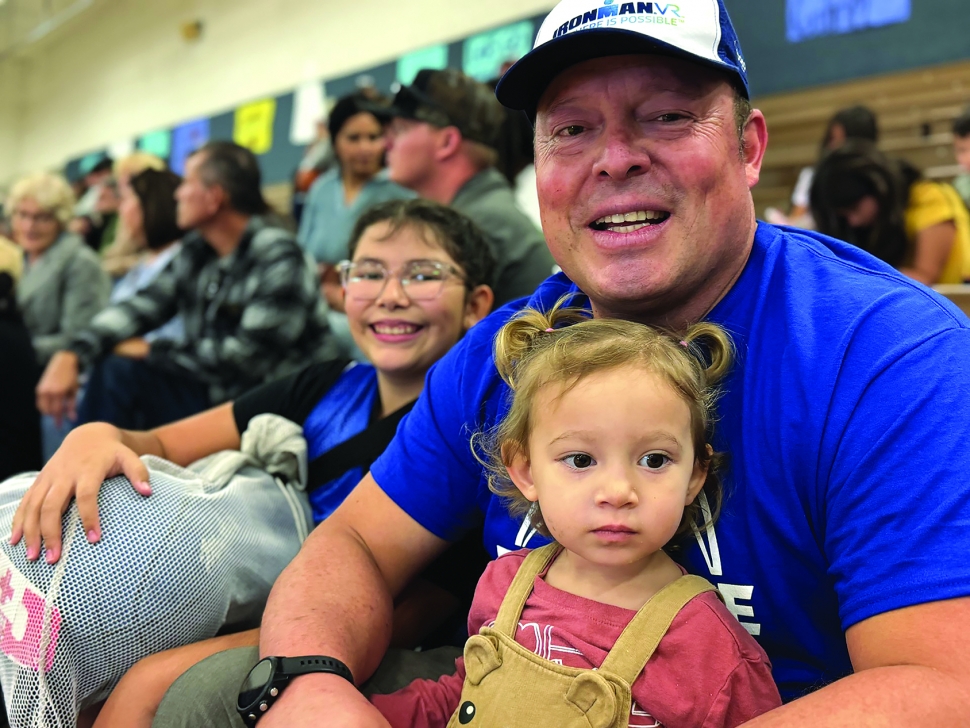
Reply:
x=845, y=418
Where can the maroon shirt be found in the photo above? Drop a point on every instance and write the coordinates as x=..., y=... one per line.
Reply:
x=707, y=671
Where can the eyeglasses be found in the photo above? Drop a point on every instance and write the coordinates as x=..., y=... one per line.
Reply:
x=422, y=280
x=38, y=217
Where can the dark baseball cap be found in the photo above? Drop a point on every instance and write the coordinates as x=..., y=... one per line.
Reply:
x=449, y=98
x=581, y=30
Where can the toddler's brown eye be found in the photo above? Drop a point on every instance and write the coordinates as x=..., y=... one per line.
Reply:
x=654, y=460
x=579, y=460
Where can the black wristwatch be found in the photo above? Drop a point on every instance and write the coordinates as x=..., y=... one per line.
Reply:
x=266, y=681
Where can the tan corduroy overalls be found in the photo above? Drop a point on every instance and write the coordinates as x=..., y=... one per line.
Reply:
x=508, y=686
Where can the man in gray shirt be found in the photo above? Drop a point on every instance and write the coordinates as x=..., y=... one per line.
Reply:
x=442, y=138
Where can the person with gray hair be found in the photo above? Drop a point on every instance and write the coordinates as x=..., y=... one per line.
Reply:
x=62, y=286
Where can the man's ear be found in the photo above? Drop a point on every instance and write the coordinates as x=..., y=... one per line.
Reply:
x=218, y=198
x=755, y=142
x=449, y=143
x=478, y=305
x=698, y=477
x=520, y=473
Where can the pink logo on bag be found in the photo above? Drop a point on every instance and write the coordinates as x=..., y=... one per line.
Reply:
x=22, y=616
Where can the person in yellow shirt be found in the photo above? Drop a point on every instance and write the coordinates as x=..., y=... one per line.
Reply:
x=884, y=206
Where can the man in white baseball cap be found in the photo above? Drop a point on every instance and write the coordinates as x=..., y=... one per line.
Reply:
x=841, y=545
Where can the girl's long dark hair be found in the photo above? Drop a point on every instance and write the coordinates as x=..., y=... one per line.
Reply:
x=856, y=170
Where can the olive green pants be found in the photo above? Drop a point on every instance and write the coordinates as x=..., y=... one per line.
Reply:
x=205, y=696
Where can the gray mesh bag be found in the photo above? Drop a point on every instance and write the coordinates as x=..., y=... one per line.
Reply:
x=200, y=553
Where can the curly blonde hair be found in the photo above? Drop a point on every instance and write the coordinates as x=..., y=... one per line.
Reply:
x=566, y=345
x=50, y=191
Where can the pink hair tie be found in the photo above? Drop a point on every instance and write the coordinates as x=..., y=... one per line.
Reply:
x=683, y=343
x=550, y=331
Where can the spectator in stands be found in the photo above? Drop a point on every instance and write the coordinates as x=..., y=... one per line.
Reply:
x=247, y=297
x=20, y=445
x=442, y=140
x=338, y=197
x=855, y=122
x=961, y=148
x=149, y=219
x=516, y=159
x=416, y=282
x=842, y=545
x=885, y=207
x=123, y=253
x=356, y=182
x=63, y=286
x=95, y=212
x=317, y=158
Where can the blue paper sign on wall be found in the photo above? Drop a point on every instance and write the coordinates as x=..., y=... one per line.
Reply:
x=813, y=18
x=186, y=138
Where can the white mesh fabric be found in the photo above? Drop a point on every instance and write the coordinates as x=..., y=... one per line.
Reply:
x=170, y=569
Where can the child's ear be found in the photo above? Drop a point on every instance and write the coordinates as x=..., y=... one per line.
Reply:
x=520, y=473
x=698, y=477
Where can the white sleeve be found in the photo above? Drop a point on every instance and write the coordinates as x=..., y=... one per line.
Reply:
x=799, y=196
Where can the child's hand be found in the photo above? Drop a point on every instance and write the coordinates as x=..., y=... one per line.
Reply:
x=89, y=454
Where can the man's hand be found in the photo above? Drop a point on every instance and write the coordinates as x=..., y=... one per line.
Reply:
x=57, y=390
x=322, y=699
x=133, y=349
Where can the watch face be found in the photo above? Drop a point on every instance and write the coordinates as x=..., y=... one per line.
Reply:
x=255, y=683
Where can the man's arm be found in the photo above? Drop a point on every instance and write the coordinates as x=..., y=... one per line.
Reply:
x=274, y=318
x=336, y=599
x=143, y=312
x=912, y=668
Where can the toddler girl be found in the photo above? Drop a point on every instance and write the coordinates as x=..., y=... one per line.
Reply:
x=605, y=446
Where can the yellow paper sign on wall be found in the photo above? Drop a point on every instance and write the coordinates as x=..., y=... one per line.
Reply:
x=253, y=126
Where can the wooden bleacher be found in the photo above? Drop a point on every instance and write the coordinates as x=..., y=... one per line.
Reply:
x=916, y=110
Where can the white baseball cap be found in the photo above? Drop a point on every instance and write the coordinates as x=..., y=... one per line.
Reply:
x=580, y=30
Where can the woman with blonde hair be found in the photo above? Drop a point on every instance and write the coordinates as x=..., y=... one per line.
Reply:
x=63, y=286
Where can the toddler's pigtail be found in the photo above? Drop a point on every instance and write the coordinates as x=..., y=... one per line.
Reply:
x=718, y=348
x=529, y=329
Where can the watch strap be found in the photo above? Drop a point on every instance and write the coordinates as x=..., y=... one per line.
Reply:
x=294, y=666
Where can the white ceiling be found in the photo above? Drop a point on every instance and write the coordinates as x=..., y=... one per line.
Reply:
x=24, y=22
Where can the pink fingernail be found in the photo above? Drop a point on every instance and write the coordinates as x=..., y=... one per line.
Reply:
x=145, y=487
x=51, y=556
x=93, y=536
x=32, y=553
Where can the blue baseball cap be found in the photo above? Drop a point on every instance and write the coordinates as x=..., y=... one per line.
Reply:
x=581, y=30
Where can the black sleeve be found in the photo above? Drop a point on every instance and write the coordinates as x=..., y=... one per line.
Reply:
x=293, y=397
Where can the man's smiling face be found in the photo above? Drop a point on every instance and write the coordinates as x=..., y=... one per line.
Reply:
x=645, y=195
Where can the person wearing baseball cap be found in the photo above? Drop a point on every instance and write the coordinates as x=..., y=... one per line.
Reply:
x=441, y=144
x=841, y=544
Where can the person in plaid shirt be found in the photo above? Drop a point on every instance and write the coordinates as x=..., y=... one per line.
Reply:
x=245, y=290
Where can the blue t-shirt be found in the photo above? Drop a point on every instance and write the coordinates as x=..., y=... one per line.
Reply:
x=335, y=401
x=844, y=418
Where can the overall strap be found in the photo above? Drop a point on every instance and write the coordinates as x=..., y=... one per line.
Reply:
x=521, y=587
x=639, y=640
